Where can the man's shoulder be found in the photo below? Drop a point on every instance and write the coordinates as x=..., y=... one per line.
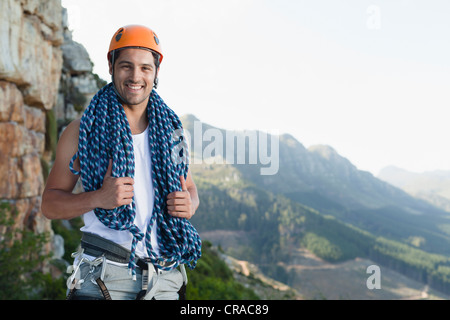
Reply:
x=73, y=127
x=75, y=124
x=71, y=132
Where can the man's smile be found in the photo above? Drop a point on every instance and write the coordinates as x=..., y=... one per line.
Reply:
x=134, y=87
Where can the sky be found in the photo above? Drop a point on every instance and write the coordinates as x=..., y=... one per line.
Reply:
x=371, y=79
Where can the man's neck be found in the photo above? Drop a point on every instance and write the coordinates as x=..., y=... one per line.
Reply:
x=137, y=118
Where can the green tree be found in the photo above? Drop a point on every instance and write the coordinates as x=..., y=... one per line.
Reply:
x=21, y=261
x=213, y=280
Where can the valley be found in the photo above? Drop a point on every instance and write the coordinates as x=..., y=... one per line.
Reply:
x=312, y=278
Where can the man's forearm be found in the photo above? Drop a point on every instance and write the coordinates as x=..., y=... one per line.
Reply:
x=59, y=204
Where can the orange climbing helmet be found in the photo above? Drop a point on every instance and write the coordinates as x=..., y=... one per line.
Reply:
x=135, y=36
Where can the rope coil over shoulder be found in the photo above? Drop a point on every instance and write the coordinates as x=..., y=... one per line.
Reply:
x=105, y=134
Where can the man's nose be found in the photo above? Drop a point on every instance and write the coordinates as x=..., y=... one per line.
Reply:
x=136, y=74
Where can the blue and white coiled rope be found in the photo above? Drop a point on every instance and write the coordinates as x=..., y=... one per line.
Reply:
x=105, y=134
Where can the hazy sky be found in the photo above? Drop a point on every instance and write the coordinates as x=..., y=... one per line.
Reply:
x=369, y=78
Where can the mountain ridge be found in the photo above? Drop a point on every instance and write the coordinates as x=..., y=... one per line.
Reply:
x=431, y=186
x=319, y=163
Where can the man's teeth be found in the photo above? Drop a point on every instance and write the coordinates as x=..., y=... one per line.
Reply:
x=134, y=87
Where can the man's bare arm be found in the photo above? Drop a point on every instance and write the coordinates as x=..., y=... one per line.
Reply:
x=58, y=201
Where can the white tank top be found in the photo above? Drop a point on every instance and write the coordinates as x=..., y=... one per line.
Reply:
x=143, y=198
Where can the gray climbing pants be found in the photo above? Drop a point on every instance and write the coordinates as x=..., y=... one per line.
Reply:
x=162, y=285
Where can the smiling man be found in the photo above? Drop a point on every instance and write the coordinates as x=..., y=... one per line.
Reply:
x=136, y=203
x=134, y=73
x=135, y=68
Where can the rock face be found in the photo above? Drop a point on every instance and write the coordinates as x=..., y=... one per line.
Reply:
x=31, y=60
x=77, y=84
x=30, y=37
x=46, y=81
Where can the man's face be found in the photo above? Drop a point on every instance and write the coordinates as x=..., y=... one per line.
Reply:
x=134, y=74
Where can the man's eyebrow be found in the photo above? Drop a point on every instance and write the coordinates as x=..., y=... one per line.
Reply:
x=141, y=64
x=124, y=61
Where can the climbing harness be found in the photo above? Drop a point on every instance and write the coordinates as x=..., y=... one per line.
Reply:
x=73, y=282
x=92, y=245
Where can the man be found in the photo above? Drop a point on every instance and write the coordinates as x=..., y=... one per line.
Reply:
x=137, y=199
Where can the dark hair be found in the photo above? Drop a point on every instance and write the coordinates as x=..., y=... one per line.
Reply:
x=116, y=53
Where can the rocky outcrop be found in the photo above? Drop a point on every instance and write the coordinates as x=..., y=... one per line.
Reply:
x=77, y=84
x=46, y=81
x=30, y=37
x=30, y=70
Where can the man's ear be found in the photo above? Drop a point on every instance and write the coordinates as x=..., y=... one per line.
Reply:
x=156, y=81
x=110, y=68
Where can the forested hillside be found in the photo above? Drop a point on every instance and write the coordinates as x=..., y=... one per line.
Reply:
x=270, y=227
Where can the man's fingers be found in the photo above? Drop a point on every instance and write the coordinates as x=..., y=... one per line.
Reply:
x=125, y=180
x=179, y=202
x=178, y=195
x=180, y=212
x=176, y=201
x=109, y=170
x=178, y=208
x=120, y=180
x=183, y=183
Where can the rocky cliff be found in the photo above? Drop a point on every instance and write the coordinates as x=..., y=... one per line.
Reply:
x=46, y=80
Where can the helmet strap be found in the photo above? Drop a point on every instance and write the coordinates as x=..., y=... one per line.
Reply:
x=156, y=81
x=112, y=77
